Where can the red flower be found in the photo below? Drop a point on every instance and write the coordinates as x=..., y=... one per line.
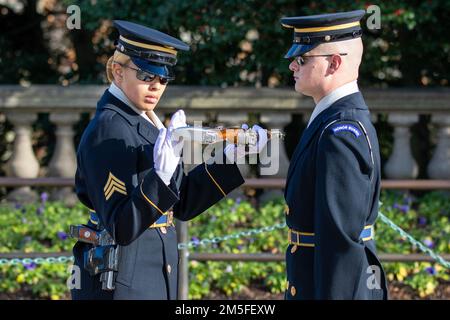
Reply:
x=399, y=12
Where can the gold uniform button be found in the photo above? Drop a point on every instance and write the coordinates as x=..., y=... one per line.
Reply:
x=287, y=285
x=169, y=269
x=293, y=291
x=286, y=209
x=163, y=230
x=294, y=248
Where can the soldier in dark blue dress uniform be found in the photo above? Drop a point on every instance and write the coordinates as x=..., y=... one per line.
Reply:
x=130, y=176
x=333, y=184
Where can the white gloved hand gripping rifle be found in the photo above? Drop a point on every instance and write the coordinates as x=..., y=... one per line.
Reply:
x=167, y=149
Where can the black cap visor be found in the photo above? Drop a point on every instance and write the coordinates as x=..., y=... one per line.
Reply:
x=163, y=71
x=299, y=49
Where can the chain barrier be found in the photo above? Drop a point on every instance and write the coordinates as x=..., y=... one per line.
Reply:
x=414, y=242
x=242, y=234
x=238, y=235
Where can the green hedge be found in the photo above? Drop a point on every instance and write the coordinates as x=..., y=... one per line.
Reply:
x=410, y=49
x=38, y=227
x=427, y=220
x=42, y=228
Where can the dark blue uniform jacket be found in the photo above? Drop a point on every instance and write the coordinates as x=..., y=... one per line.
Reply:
x=116, y=179
x=332, y=195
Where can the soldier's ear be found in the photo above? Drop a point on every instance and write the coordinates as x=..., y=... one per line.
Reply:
x=335, y=63
x=117, y=72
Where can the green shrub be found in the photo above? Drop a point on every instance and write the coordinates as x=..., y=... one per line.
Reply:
x=232, y=42
x=38, y=227
x=42, y=228
x=231, y=216
x=427, y=220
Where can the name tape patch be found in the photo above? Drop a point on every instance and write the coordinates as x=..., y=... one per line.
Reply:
x=346, y=127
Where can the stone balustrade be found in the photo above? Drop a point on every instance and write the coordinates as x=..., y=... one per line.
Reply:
x=222, y=106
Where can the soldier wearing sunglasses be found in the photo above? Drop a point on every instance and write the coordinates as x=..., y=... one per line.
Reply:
x=131, y=179
x=333, y=183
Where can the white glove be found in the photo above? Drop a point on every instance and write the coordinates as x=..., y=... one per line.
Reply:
x=166, y=153
x=178, y=120
x=262, y=140
x=233, y=152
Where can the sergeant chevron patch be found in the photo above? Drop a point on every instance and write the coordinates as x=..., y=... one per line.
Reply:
x=114, y=184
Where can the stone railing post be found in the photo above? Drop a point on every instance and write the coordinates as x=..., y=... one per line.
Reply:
x=276, y=121
x=23, y=162
x=401, y=164
x=192, y=151
x=63, y=162
x=439, y=166
x=274, y=162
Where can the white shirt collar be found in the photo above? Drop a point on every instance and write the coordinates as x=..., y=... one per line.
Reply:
x=332, y=97
x=119, y=94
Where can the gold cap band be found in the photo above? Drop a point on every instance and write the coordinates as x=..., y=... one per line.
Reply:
x=148, y=46
x=331, y=28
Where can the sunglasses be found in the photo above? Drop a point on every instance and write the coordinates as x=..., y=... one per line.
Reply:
x=144, y=75
x=301, y=59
